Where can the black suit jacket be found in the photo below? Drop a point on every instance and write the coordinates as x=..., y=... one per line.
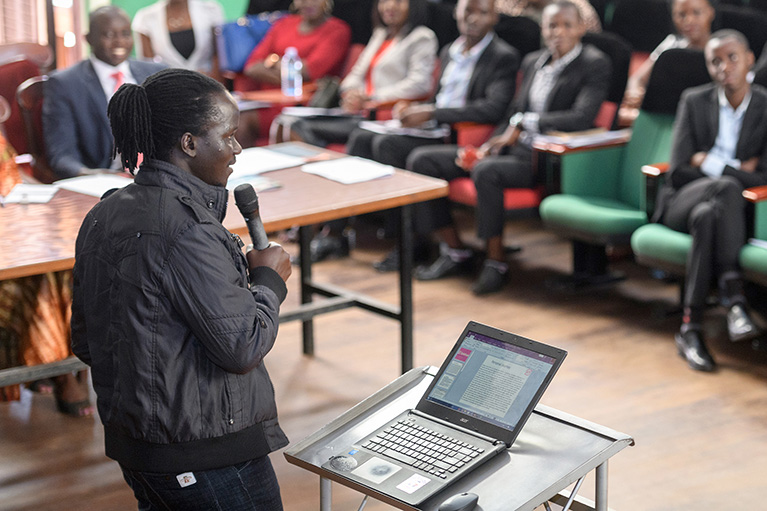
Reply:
x=75, y=125
x=577, y=96
x=697, y=125
x=491, y=86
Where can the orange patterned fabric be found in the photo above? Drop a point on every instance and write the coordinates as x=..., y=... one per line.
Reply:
x=9, y=172
x=34, y=311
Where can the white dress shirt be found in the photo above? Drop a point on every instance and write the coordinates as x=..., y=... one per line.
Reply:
x=730, y=122
x=454, y=85
x=105, y=74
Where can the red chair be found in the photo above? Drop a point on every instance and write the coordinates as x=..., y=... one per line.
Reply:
x=12, y=74
x=18, y=62
x=29, y=97
x=462, y=190
x=619, y=51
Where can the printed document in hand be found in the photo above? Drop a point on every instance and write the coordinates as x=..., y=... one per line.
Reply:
x=24, y=193
x=256, y=160
x=394, y=127
x=95, y=185
x=349, y=170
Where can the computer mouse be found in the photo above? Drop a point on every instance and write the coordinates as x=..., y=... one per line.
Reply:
x=460, y=502
x=343, y=463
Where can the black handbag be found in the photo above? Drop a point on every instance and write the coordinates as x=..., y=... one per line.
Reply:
x=327, y=94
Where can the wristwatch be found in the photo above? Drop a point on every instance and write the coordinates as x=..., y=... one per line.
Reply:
x=516, y=120
x=271, y=60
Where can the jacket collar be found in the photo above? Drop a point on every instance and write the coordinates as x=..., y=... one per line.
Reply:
x=166, y=175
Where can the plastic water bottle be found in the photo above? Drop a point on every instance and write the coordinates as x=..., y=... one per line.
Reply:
x=292, y=80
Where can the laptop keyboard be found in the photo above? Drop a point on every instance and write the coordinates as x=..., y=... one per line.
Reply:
x=423, y=449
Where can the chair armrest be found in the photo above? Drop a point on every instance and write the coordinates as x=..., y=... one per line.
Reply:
x=756, y=194
x=655, y=169
x=654, y=174
x=589, y=140
x=471, y=133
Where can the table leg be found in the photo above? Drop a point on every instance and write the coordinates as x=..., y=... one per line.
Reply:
x=406, y=287
x=600, y=499
x=326, y=494
x=305, y=254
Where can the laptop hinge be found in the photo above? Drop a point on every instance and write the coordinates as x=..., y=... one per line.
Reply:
x=486, y=438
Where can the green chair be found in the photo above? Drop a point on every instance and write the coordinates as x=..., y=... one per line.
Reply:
x=753, y=255
x=657, y=246
x=603, y=199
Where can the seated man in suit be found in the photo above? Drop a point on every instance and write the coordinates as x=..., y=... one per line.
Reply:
x=476, y=82
x=76, y=131
x=563, y=87
x=719, y=144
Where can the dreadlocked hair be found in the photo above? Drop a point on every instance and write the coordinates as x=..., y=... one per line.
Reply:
x=150, y=118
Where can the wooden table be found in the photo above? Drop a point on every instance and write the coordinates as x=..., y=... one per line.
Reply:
x=40, y=238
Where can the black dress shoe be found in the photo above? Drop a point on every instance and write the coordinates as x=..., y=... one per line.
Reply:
x=491, y=280
x=444, y=266
x=740, y=326
x=388, y=263
x=692, y=348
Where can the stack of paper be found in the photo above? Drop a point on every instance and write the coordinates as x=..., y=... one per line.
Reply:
x=349, y=170
x=29, y=194
x=256, y=160
x=95, y=185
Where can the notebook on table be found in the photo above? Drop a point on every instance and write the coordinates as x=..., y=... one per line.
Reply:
x=475, y=408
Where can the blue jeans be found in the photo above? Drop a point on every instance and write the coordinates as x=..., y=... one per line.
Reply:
x=250, y=486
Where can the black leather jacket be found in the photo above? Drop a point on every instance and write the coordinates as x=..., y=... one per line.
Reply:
x=174, y=327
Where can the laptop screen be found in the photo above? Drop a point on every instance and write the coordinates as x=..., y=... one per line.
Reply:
x=491, y=379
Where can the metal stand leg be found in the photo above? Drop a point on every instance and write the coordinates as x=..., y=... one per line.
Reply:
x=600, y=499
x=326, y=494
x=362, y=504
x=573, y=494
x=406, y=287
x=304, y=240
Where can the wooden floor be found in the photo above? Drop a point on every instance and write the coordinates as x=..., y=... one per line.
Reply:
x=701, y=439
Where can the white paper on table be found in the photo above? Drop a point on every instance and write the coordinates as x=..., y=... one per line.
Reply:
x=95, y=185
x=349, y=170
x=30, y=194
x=256, y=160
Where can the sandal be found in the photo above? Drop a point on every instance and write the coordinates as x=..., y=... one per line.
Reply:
x=76, y=409
x=73, y=387
x=44, y=386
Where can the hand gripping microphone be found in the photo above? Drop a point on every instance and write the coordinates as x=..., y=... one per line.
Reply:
x=247, y=202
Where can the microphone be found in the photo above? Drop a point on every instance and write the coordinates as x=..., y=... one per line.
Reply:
x=247, y=202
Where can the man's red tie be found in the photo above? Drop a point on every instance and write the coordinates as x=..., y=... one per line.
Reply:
x=119, y=79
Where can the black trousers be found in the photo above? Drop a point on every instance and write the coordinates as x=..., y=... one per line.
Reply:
x=390, y=150
x=387, y=149
x=713, y=211
x=491, y=176
x=324, y=131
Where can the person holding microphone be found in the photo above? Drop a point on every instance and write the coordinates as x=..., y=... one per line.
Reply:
x=173, y=319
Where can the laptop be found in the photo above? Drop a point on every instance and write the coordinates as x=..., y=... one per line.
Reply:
x=475, y=408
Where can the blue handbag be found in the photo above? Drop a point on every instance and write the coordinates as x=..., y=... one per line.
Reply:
x=235, y=40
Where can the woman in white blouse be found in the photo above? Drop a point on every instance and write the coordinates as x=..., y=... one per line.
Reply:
x=397, y=63
x=179, y=33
